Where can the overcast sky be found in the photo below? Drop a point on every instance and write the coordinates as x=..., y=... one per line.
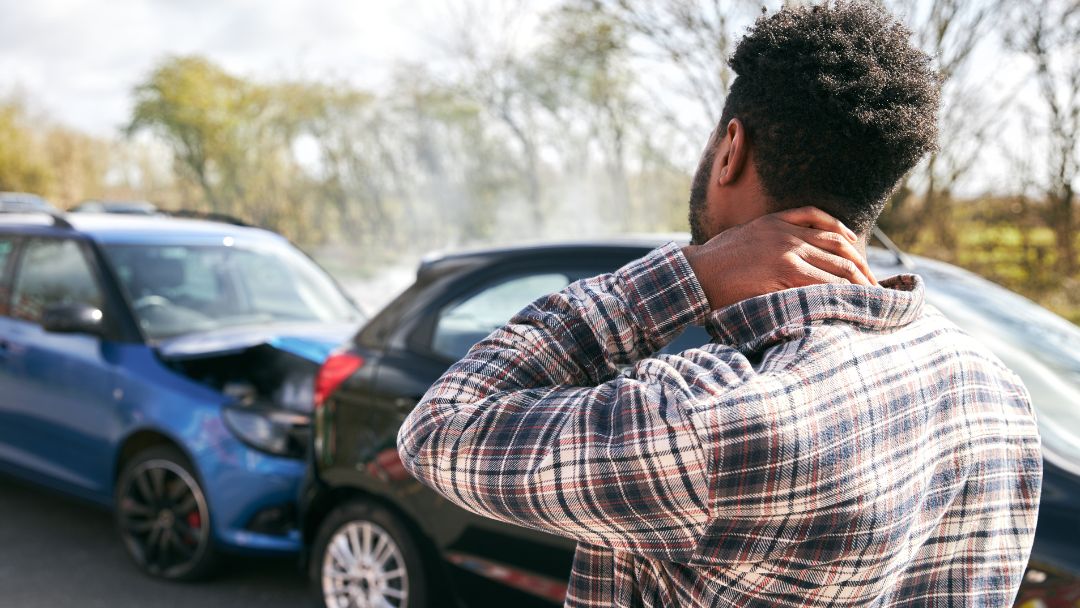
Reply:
x=79, y=59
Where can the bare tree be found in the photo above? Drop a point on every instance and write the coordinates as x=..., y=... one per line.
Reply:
x=690, y=38
x=583, y=81
x=1048, y=32
x=484, y=39
x=950, y=31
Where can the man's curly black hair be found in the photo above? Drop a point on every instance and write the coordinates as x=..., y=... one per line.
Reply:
x=837, y=104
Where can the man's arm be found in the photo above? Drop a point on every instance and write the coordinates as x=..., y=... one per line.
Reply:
x=535, y=427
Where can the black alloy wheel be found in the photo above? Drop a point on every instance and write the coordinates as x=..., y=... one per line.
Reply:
x=365, y=557
x=162, y=516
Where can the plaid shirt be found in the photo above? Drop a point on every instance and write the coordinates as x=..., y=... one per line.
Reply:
x=833, y=446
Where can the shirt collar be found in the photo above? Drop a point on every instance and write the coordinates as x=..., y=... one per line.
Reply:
x=757, y=323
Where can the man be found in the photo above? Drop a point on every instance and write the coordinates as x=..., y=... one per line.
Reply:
x=838, y=444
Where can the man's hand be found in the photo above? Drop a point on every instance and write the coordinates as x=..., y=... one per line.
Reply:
x=791, y=248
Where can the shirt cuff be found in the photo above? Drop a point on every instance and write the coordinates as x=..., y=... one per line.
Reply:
x=664, y=293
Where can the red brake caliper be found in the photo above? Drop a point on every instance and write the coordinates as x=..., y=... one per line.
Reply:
x=194, y=521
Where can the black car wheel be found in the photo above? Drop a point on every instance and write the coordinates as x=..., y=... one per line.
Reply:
x=162, y=515
x=365, y=557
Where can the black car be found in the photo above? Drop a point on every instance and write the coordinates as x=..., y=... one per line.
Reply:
x=377, y=537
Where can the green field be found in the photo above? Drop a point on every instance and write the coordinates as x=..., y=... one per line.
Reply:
x=1010, y=249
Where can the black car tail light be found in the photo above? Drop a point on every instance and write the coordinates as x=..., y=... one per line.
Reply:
x=336, y=369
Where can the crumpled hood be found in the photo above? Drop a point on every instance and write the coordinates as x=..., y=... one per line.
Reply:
x=312, y=341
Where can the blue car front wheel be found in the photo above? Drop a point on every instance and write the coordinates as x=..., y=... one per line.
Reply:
x=162, y=516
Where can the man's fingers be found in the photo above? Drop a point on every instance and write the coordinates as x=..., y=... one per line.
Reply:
x=808, y=275
x=812, y=217
x=841, y=268
x=836, y=244
x=791, y=248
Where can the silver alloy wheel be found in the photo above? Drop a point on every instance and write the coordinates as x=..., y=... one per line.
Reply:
x=363, y=567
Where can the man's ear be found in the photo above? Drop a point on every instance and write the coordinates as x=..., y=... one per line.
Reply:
x=733, y=153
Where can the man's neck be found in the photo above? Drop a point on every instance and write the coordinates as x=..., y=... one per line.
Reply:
x=861, y=244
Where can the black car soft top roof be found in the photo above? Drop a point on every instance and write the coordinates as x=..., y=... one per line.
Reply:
x=439, y=263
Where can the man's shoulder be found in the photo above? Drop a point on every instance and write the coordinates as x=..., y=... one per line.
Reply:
x=929, y=346
x=962, y=345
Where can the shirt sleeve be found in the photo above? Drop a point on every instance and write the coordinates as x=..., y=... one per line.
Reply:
x=536, y=426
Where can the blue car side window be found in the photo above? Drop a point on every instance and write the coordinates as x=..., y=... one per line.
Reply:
x=7, y=245
x=52, y=271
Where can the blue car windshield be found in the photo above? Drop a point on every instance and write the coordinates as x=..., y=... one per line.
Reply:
x=181, y=289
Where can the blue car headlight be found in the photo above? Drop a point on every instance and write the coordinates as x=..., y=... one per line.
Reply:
x=278, y=432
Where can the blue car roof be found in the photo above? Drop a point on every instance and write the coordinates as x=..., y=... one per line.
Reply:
x=109, y=228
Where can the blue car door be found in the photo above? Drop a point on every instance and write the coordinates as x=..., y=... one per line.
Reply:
x=57, y=390
x=9, y=427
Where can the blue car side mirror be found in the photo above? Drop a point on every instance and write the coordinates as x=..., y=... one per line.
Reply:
x=73, y=319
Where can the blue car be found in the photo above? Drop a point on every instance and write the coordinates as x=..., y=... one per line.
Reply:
x=12, y=202
x=164, y=368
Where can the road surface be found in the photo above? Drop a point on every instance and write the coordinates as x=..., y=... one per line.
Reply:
x=56, y=552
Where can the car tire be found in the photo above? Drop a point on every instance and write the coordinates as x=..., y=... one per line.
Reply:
x=363, y=553
x=162, y=515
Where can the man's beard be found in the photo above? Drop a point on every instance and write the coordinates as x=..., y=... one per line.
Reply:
x=699, y=192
